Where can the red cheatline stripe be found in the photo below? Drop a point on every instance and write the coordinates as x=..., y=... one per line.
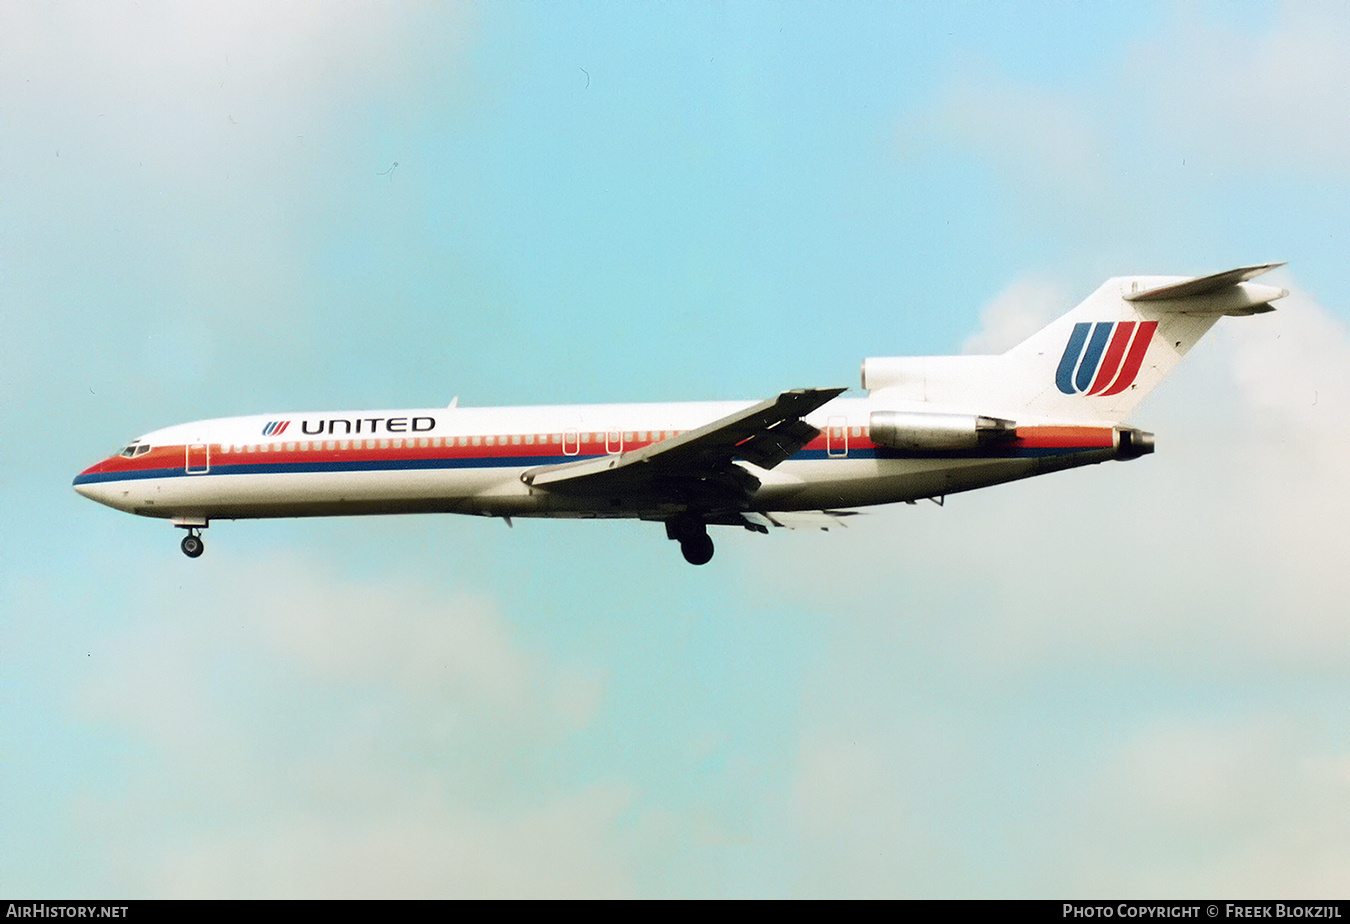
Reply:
x=1066, y=437
x=1142, y=338
x=1106, y=372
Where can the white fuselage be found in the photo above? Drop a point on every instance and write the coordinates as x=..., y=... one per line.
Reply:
x=470, y=460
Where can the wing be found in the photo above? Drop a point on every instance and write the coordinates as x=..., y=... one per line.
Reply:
x=698, y=468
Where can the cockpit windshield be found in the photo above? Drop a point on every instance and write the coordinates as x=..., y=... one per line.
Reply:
x=135, y=449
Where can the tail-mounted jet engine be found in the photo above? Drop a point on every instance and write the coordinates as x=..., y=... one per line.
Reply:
x=926, y=432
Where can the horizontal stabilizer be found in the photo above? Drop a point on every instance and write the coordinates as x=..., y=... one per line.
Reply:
x=1201, y=285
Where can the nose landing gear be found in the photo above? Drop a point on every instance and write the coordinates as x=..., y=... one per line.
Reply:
x=192, y=544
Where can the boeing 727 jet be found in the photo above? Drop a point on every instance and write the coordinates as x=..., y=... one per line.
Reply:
x=927, y=427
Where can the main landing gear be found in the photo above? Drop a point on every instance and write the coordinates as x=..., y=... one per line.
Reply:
x=692, y=535
x=192, y=544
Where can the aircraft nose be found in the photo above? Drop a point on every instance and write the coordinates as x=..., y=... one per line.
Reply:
x=88, y=489
x=88, y=484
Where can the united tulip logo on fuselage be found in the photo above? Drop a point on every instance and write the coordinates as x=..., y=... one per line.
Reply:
x=1100, y=363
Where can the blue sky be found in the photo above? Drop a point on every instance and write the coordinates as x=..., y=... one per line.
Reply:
x=1128, y=680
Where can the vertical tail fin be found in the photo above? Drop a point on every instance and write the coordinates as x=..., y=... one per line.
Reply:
x=1091, y=366
x=1100, y=360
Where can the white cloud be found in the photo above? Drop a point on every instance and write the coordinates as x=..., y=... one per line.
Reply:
x=1042, y=136
x=1159, y=143
x=1016, y=313
x=182, y=84
x=1291, y=370
x=1237, y=515
x=1252, y=810
x=837, y=779
x=1056, y=615
x=311, y=734
x=1258, y=99
x=396, y=633
x=183, y=173
x=565, y=847
x=404, y=635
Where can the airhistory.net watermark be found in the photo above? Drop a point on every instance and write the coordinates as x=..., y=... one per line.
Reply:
x=65, y=910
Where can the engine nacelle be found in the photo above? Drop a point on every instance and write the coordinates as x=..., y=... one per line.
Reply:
x=925, y=432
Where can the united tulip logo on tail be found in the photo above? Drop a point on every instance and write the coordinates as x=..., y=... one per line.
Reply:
x=1103, y=358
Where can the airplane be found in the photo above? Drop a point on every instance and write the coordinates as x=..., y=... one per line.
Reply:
x=927, y=427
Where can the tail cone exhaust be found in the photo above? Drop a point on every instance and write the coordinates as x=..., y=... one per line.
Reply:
x=1133, y=443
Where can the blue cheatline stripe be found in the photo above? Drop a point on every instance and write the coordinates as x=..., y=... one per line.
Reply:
x=395, y=465
x=1067, y=362
x=342, y=465
x=136, y=475
x=993, y=453
x=1087, y=371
